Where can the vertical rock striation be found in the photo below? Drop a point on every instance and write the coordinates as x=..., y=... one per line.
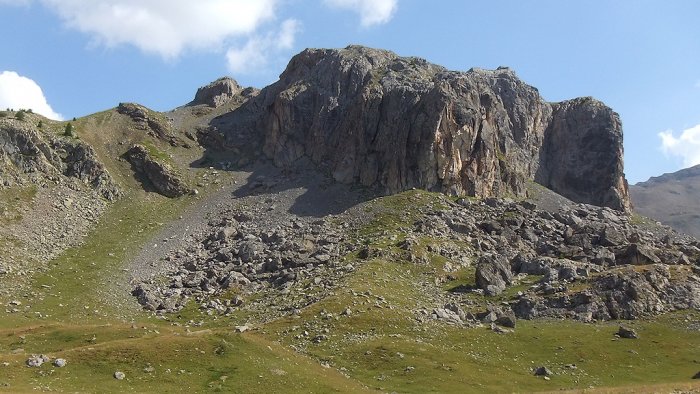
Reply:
x=371, y=117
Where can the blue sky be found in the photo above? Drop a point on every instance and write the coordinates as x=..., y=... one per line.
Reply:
x=641, y=57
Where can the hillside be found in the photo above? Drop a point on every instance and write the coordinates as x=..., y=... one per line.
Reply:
x=671, y=199
x=368, y=223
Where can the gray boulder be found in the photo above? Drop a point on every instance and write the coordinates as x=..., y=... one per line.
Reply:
x=493, y=274
x=217, y=93
x=153, y=172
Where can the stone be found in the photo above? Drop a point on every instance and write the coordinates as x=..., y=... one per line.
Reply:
x=543, y=371
x=59, y=362
x=506, y=319
x=241, y=329
x=119, y=375
x=153, y=173
x=35, y=361
x=217, y=93
x=39, y=157
x=626, y=332
x=636, y=254
x=493, y=274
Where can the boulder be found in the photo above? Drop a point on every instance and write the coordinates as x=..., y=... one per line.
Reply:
x=493, y=274
x=626, y=332
x=152, y=172
x=217, y=93
x=636, y=254
x=543, y=371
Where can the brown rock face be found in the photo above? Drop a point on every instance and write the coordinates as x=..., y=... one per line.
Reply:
x=371, y=117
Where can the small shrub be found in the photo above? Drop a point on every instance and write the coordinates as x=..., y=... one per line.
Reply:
x=3, y=114
x=20, y=115
x=40, y=124
x=69, y=130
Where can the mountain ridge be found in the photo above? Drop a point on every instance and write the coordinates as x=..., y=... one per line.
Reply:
x=672, y=199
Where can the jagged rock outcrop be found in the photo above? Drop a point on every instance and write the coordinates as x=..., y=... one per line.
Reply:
x=671, y=199
x=581, y=156
x=394, y=123
x=161, y=176
x=30, y=156
x=150, y=122
x=217, y=93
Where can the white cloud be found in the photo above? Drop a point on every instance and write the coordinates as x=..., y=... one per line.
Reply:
x=372, y=12
x=686, y=145
x=20, y=92
x=166, y=28
x=254, y=54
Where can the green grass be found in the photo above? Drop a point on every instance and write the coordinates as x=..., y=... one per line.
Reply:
x=76, y=284
x=156, y=152
x=386, y=349
x=173, y=361
x=381, y=345
x=12, y=201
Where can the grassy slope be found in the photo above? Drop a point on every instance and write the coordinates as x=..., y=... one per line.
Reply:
x=68, y=313
x=380, y=345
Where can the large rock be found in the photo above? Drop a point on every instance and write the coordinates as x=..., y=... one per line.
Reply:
x=582, y=154
x=217, y=93
x=371, y=117
x=493, y=274
x=152, y=172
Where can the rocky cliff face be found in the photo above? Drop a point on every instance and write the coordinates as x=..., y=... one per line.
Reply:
x=28, y=156
x=371, y=117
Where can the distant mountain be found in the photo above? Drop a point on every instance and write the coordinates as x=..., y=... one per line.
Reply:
x=672, y=199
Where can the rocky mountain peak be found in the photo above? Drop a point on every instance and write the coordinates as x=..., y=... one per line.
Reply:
x=393, y=123
x=217, y=93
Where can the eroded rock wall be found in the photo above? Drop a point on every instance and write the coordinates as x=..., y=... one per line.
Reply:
x=371, y=117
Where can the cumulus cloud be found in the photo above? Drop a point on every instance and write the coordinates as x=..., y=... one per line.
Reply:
x=166, y=28
x=372, y=12
x=20, y=92
x=253, y=55
x=686, y=145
